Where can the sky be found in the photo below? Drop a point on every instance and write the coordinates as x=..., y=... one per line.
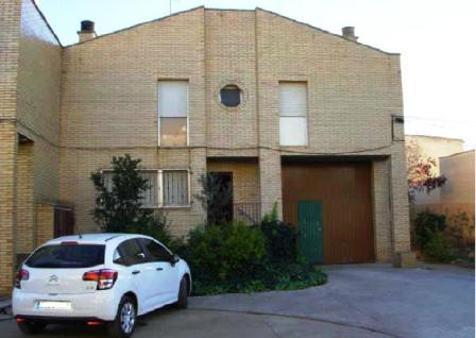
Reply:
x=436, y=39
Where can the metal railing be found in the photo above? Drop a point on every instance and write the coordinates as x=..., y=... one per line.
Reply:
x=248, y=212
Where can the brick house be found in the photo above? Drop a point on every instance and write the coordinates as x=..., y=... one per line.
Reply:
x=287, y=113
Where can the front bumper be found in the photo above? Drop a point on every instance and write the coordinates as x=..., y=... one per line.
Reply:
x=98, y=305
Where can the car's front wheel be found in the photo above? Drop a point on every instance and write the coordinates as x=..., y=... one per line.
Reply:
x=182, y=301
x=125, y=323
x=31, y=327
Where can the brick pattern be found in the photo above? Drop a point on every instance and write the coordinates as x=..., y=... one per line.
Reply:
x=9, y=40
x=381, y=209
x=245, y=177
x=24, y=231
x=108, y=106
x=8, y=144
x=45, y=218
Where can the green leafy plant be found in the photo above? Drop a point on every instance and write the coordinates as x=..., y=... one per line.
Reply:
x=225, y=254
x=427, y=224
x=437, y=248
x=119, y=206
x=281, y=238
x=215, y=197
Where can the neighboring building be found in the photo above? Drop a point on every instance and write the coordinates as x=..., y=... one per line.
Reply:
x=456, y=197
x=290, y=114
x=435, y=147
x=431, y=147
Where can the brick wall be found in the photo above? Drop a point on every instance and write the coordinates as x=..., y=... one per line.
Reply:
x=109, y=107
x=24, y=231
x=8, y=145
x=245, y=177
x=9, y=33
x=45, y=218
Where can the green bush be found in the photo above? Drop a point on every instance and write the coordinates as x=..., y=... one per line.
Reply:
x=225, y=255
x=437, y=248
x=240, y=258
x=281, y=238
x=427, y=224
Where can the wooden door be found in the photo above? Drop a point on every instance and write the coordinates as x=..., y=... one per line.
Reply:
x=344, y=189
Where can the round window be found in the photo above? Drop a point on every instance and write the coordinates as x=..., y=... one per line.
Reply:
x=230, y=96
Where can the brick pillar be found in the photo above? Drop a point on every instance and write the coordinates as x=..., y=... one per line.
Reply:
x=24, y=194
x=381, y=210
x=8, y=144
x=270, y=181
x=403, y=257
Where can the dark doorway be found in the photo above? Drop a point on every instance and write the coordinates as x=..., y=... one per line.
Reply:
x=64, y=221
x=220, y=207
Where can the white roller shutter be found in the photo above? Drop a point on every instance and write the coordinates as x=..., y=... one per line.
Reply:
x=173, y=98
x=293, y=114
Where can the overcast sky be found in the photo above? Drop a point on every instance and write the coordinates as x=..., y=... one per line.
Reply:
x=436, y=39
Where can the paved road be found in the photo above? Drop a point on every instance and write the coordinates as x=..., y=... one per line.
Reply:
x=207, y=324
x=359, y=301
x=437, y=302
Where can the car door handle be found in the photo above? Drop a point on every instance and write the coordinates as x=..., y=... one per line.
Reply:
x=159, y=269
x=135, y=272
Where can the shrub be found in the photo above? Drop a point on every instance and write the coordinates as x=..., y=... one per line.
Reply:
x=437, y=248
x=225, y=255
x=281, y=238
x=119, y=207
x=427, y=224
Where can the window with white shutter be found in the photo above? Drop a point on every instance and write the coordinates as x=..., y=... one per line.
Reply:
x=173, y=113
x=293, y=114
x=175, y=187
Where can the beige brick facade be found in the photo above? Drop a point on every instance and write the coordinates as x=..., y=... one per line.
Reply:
x=82, y=104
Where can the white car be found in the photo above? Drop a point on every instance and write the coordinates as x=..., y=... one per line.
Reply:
x=98, y=279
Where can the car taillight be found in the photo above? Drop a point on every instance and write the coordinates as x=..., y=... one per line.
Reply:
x=22, y=274
x=105, y=278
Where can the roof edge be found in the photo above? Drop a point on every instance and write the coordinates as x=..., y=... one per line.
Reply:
x=326, y=32
x=436, y=137
x=43, y=17
x=136, y=25
x=459, y=153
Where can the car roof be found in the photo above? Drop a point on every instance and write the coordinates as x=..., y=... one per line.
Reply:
x=99, y=238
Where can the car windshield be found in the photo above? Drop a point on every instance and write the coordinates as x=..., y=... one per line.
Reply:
x=67, y=256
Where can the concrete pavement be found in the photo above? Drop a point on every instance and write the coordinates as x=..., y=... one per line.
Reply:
x=435, y=302
x=358, y=301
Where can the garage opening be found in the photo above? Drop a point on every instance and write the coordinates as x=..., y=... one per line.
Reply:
x=331, y=204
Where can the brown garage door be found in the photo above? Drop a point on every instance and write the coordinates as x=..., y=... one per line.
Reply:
x=343, y=189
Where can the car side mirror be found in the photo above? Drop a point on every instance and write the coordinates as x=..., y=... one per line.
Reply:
x=174, y=259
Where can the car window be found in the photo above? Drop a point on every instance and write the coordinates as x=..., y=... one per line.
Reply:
x=130, y=253
x=67, y=256
x=157, y=252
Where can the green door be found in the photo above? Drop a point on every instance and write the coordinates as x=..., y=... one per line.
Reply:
x=310, y=231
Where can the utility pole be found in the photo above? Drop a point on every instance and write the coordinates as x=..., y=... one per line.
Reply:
x=170, y=6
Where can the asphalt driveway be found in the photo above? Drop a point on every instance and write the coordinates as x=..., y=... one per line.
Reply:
x=359, y=301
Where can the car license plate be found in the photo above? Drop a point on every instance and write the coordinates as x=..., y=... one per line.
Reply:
x=53, y=305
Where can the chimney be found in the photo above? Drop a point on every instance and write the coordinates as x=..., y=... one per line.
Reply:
x=348, y=33
x=87, y=31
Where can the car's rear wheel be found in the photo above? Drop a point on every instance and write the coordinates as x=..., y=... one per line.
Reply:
x=125, y=323
x=182, y=301
x=30, y=327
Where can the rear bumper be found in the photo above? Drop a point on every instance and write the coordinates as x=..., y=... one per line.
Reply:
x=101, y=305
x=61, y=320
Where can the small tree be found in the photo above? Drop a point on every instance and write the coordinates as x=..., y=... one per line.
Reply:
x=119, y=207
x=215, y=197
x=420, y=171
